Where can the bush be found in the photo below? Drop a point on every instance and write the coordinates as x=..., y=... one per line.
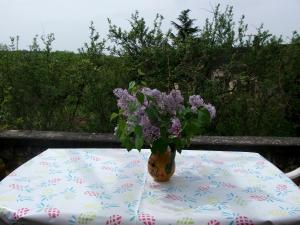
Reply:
x=253, y=80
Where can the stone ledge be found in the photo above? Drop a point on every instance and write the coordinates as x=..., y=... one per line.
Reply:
x=54, y=139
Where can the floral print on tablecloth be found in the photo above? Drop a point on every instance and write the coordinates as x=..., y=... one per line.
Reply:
x=112, y=187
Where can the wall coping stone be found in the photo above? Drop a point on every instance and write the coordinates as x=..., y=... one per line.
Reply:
x=58, y=139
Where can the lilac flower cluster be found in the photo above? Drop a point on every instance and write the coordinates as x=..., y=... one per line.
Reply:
x=150, y=131
x=168, y=105
x=124, y=98
x=173, y=102
x=154, y=93
x=211, y=109
x=175, y=127
x=138, y=116
x=196, y=101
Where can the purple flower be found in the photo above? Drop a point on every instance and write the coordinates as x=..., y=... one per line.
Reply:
x=150, y=131
x=152, y=92
x=176, y=94
x=139, y=114
x=140, y=111
x=194, y=109
x=196, y=101
x=124, y=98
x=173, y=101
x=155, y=94
x=175, y=127
x=211, y=109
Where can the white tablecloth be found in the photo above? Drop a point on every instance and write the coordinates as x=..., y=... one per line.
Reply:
x=112, y=187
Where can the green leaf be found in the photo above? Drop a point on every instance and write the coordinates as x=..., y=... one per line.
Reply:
x=150, y=98
x=131, y=85
x=121, y=127
x=132, y=106
x=195, y=124
x=113, y=116
x=152, y=113
x=203, y=118
x=163, y=132
x=179, y=144
x=139, y=140
x=143, y=83
x=159, y=145
x=140, y=97
x=191, y=128
x=189, y=115
x=138, y=130
x=123, y=134
x=204, y=115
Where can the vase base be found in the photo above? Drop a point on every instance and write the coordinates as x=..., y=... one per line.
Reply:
x=162, y=179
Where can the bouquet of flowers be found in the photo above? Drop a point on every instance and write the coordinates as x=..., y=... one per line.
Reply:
x=158, y=119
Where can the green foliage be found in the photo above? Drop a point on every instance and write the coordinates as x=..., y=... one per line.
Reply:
x=185, y=28
x=253, y=80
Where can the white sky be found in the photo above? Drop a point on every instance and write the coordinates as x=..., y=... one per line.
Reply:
x=69, y=19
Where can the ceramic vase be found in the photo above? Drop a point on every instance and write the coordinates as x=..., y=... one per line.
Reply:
x=161, y=165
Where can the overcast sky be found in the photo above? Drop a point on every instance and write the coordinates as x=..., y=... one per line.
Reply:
x=69, y=19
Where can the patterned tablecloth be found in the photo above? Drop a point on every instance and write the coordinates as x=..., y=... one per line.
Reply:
x=112, y=187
